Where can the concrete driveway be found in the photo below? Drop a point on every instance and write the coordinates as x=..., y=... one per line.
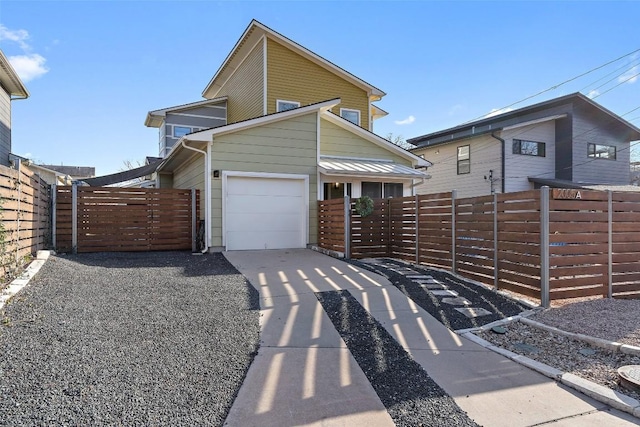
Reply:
x=305, y=375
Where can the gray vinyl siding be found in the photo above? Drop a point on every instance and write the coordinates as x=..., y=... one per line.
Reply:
x=191, y=118
x=5, y=127
x=598, y=171
x=190, y=121
x=519, y=167
x=564, y=148
x=188, y=176
x=285, y=147
x=485, y=155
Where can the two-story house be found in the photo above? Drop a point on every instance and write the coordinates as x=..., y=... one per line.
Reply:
x=11, y=87
x=566, y=142
x=297, y=129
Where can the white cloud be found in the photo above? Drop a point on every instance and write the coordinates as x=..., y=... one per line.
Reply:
x=630, y=76
x=593, y=93
x=456, y=109
x=498, y=111
x=29, y=67
x=406, y=121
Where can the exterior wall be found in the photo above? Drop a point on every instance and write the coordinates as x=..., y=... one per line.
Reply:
x=286, y=147
x=519, y=167
x=336, y=141
x=5, y=127
x=197, y=119
x=189, y=175
x=292, y=77
x=598, y=171
x=245, y=88
x=485, y=153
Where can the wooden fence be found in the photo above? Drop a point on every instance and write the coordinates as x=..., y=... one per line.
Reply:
x=545, y=244
x=25, y=217
x=105, y=219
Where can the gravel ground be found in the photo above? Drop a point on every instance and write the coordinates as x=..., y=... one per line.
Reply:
x=480, y=297
x=127, y=339
x=411, y=397
x=564, y=353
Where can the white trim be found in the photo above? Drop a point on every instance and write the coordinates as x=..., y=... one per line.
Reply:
x=370, y=116
x=266, y=175
x=278, y=101
x=533, y=122
x=318, y=141
x=163, y=111
x=351, y=110
x=198, y=116
x=264, y=76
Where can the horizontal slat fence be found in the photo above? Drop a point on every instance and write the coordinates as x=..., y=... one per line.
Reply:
x=125, y=219
x=545, y=244
x=331, y=225
x=25, y=217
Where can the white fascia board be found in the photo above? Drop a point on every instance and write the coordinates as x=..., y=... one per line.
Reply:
x=534, y=122
x=162, y=113
x=378, y=140
x=379, y=175
x=206, y=135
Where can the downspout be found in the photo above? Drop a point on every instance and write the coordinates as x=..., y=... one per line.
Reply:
x=502, y=165
x=207, y=187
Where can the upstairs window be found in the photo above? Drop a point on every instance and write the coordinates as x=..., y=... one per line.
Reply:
x=180, y=131
x=352, y=115
x=282, y=105
x=529, y=148
x=464, y=160
x=599, y=151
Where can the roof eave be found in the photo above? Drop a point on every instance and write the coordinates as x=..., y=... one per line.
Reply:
x=10, y=79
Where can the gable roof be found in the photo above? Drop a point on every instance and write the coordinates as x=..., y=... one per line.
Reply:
x=250, y=37
x=547, y=110
x=154, y=118
x=9, y=79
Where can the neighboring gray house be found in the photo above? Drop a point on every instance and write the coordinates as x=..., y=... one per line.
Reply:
x=176, y=122
x=12, y=88
x=75, y=172
x=564, y=142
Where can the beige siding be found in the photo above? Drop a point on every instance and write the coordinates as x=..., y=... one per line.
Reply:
x=191, y=175
x=292, y=77
x=336, y=141
x=485, y=156
x=165, y=180
x=245, y=88
x=519, y=167
x=285, y=147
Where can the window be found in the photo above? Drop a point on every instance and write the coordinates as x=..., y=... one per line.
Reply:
x=464, y=160
x=529, y=148
x=352, y=115
x=599, y=151
x=180, y=131
x=286, y=105
x=336, y=190
x=375, y=189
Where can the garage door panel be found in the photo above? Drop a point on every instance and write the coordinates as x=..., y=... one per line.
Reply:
x=265, y=213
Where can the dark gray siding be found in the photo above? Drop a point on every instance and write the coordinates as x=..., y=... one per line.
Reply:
x=591, y=127
x=564, y=148
x=5, y=127
x=191, y=121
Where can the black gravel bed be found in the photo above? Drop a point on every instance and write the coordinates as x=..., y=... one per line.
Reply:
x=411, y=397
x=133, y=339
x=499, y=305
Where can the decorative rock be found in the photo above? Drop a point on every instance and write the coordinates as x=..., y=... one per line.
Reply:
x=445, y=293
x=472, y=312
x=456, y=301
x=499, y=330
x=587, y=351
x=526, y=348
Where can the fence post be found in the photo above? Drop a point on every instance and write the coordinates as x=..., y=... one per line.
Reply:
x=610, y=251
x=417, y=230
x=74, y=217
x=544, y=247
x=194, y=229
x=454, y=193
x=495, y=241
x=54, y=195
x=347, y=227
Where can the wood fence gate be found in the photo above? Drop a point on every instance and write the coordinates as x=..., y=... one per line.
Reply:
x=105, y=219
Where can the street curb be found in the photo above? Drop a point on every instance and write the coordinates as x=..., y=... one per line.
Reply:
x=21, y=281
x=596, y=391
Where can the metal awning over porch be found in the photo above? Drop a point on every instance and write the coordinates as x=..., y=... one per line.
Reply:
x=335, y=166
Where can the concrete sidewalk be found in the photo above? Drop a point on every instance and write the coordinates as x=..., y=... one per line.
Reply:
x=305, y=375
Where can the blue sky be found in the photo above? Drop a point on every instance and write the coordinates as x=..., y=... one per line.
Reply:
x=95, y=68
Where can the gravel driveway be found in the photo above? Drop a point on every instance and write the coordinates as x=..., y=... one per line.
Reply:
x=127, y=339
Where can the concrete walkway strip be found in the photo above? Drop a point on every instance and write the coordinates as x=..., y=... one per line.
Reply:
x=21, y=281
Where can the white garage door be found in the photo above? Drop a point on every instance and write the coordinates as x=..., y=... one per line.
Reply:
x=265, y=213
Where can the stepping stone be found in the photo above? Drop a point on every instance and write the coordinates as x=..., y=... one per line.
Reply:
x=526, y=348
x=418, y=276
x=456, y=301
x=429, y=281
x=587, y=352
x=471, y=312
x=446, y=293
x=499, y=330
x=433, y=286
